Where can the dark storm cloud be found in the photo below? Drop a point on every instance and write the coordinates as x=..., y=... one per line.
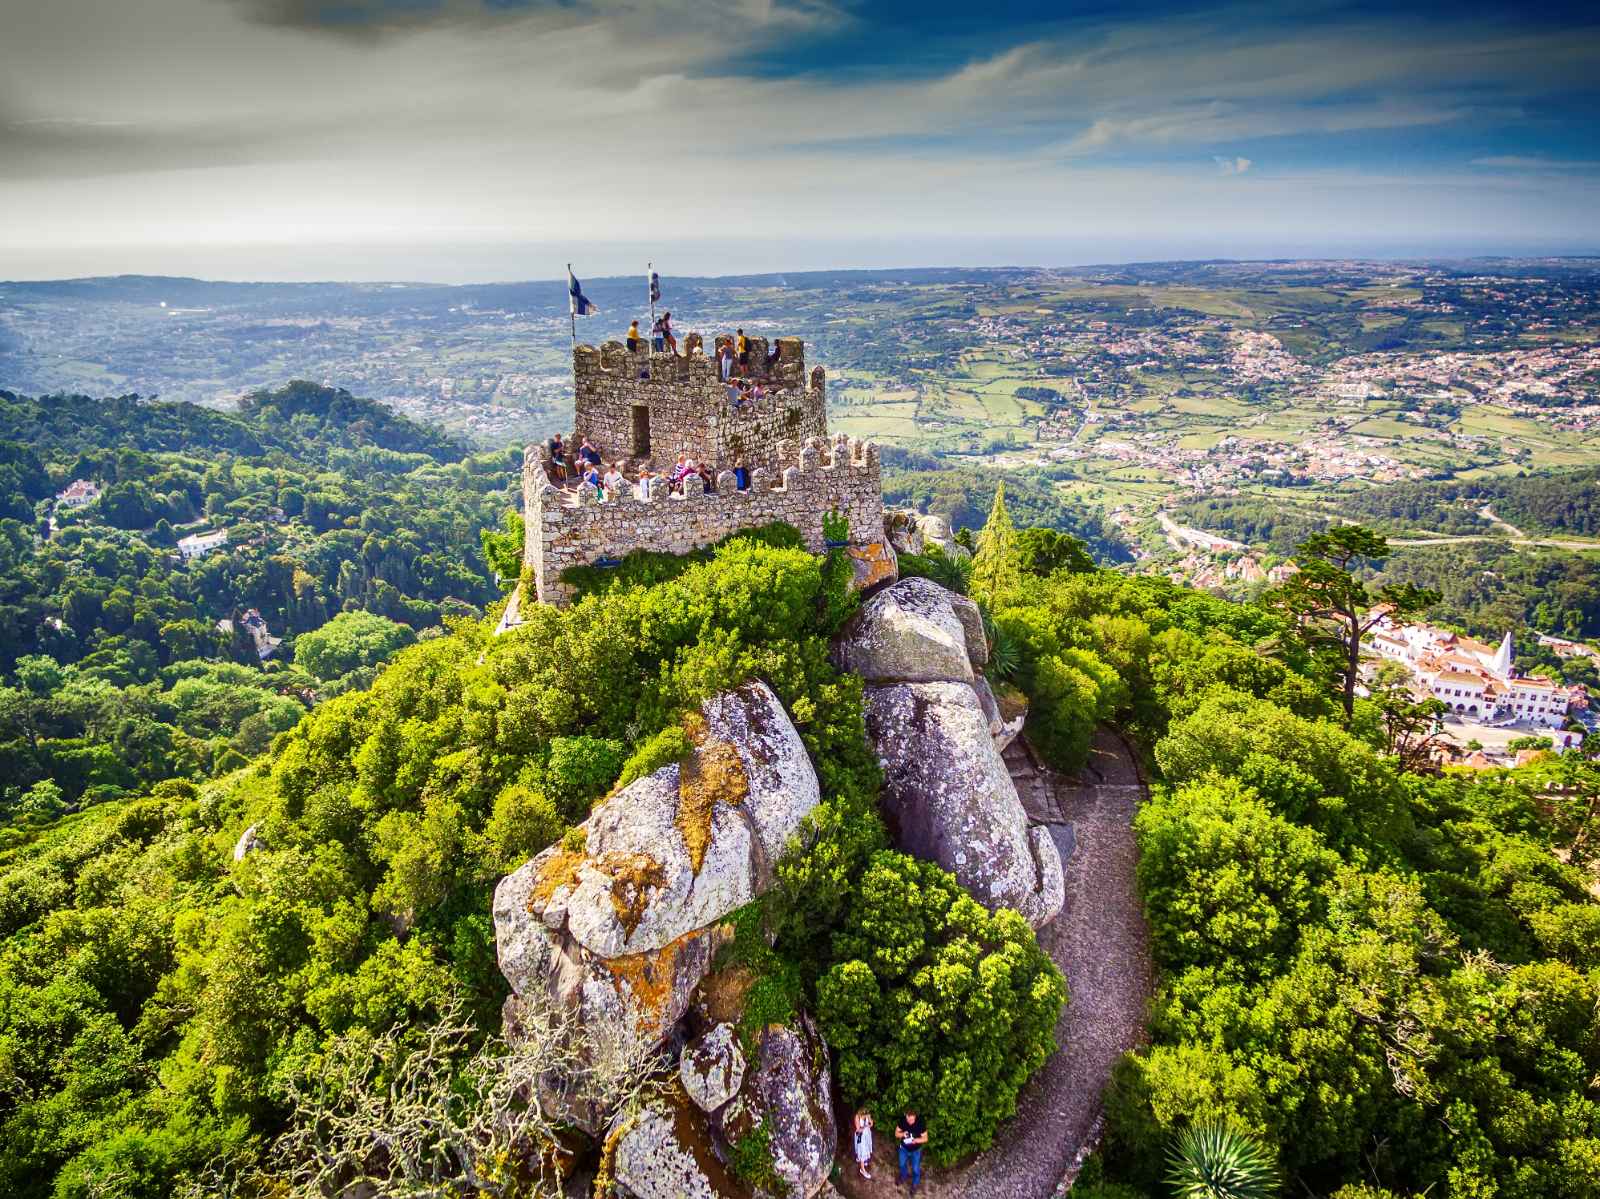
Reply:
x=374, y=18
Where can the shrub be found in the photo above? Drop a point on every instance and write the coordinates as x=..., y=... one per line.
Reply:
x=935, y=1004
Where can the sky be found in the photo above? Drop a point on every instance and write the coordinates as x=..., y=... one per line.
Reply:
x=476, y=140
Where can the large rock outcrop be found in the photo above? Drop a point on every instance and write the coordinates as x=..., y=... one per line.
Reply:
x=913, y=532
x=683, y=1142
x=910, y=632
x=622, y=919
x=938, y=731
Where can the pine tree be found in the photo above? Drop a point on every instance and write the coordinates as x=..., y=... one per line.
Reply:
x=995, y=569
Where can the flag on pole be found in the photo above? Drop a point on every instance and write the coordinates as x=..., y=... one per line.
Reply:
x=576, y=300
x=655, y=287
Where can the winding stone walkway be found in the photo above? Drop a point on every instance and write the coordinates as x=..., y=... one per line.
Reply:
x=1102, y=946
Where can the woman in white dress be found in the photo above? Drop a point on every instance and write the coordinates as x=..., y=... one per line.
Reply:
x=863, y=1141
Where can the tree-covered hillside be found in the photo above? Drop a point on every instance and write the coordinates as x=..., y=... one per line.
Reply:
x=123, y=663
x=1383, y=980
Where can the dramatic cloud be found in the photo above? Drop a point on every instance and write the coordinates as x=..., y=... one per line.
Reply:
x=184, y=123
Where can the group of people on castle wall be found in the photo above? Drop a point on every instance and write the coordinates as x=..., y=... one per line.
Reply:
x=585, y=468
x=732, y=353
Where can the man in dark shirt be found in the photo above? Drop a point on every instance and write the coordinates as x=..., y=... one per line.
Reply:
x=911, y=1131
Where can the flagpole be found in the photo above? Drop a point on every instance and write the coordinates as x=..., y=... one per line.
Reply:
x=572, y=311
x=650, y=294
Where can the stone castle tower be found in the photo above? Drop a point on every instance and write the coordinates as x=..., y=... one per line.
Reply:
x=645, y=409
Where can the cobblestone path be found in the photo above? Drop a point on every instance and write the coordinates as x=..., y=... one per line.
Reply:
x=1101, y=944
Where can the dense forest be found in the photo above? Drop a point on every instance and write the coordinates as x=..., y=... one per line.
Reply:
x=1382, y=981
x=127, y=664
x=223, y=879
x=1566, y=502
x=962, y=495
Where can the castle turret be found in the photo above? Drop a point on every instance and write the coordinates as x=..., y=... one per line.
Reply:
x=651, y=407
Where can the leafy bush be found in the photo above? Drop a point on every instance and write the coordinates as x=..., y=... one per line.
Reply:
x=936, y=1005
x=349, y=641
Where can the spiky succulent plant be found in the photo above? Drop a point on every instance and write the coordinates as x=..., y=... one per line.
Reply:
x=1212, y=1161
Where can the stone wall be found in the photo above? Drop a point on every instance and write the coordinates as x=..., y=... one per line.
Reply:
x=573, y=527
x=686, y=405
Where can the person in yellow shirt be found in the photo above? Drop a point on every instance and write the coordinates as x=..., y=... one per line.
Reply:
x=634, y=339
x=741, y=348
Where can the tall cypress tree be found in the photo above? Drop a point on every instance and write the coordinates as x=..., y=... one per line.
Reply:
x=995, y=569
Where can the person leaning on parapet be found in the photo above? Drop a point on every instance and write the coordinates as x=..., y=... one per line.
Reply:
x=558, y=458
x=634, y=340
x=707, y=483
x=614, y=481
x=741, y=476
x=679, y=470
x=591, y=477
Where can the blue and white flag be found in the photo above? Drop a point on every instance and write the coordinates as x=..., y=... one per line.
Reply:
x=576, y=300
x=655, y=287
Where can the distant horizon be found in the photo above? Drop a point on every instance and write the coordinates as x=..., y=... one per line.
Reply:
x=608, y=270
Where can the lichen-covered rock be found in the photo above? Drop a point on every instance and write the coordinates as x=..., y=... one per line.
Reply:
x=712, y=1067
x=903, y=528
x=1047, y=862
x=873, y=565
x=247, y=844
x=951, y=798
x=972, y=627
x=909, y=632
x=625, y=925
x=665, y=1153
x=789, y=1089
x=1002, y=727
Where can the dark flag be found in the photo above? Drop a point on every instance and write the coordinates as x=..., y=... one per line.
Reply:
x=577, y=301
x=655, y=287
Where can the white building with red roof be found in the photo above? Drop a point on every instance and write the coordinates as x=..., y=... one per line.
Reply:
x=1474, y=679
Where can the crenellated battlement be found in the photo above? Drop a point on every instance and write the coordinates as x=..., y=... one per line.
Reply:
x=574, y=527
x=613, y=360
x=648, y=408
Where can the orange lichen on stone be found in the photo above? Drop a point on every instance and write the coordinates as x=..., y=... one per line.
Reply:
x=559, y=870
x=712, y=774
x=650, y=976
x=633, y=876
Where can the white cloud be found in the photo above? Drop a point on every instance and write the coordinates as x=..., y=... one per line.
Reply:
x=583, y=123
x=1535, y=162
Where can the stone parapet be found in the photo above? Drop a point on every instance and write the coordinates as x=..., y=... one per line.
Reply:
x=574, y=527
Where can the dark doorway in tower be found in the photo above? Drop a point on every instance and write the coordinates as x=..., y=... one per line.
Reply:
x=641, y=431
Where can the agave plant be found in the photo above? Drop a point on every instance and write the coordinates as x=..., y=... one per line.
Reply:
x=1212, y=1161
